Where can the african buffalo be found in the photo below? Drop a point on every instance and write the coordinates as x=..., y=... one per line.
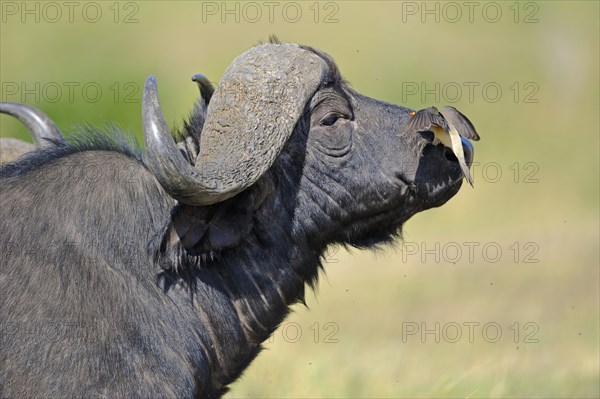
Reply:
x=158, y=274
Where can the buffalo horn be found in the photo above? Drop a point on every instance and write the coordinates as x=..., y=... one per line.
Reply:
x=251, y=115
x=40, y=126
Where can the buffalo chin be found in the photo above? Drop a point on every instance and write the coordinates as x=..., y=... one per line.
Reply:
x=437, y=180
x=385, y=227
x=382, y=227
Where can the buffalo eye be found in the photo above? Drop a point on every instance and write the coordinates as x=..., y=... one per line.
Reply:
x=330, y=119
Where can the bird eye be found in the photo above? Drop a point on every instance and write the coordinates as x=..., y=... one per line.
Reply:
x=330, y=119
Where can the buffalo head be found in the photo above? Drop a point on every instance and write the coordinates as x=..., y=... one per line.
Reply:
x=284, y=111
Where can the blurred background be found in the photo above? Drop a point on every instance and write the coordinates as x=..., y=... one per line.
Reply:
x=495, y=294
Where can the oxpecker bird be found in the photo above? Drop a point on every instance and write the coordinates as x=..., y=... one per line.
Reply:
x=447, y=125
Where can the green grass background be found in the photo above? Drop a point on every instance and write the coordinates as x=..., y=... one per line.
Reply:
x=368, y=297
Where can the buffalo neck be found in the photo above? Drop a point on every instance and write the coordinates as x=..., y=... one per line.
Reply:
x=242, y=296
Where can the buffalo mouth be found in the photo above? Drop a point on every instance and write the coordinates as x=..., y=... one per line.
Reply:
x=439, y=177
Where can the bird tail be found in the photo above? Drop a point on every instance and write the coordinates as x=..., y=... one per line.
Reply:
x=466, y=172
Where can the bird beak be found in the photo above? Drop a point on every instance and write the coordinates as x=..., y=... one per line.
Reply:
x=468, y=150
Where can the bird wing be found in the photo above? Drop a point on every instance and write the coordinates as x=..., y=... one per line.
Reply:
x=457, y=148
x=462, y=124
x=424, y=120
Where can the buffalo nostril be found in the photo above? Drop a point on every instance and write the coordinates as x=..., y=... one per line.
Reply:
x=449, y=155
x=427, y=135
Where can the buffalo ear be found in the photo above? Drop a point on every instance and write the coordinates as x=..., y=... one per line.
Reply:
x=194, y=236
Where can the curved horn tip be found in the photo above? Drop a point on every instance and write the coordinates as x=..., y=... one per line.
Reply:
x=150, y=97
x=150, y=83
x=204, y=85
x=41, y=127
x=151, y=111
